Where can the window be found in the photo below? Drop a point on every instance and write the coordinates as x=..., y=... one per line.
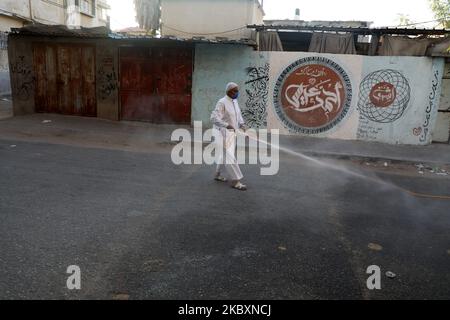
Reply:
x=102, y=13
x=59, y=3
x=87, y=7
x=3, y=41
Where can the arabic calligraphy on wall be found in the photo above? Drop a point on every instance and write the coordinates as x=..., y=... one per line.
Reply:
x=384, y=96
x=431, y=99
x=312, y=95
x=255, y=111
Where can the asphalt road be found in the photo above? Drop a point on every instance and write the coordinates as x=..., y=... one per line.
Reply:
x=140, y=227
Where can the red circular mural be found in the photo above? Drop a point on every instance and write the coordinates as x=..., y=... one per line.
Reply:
x=383, y=95
x=313, y=95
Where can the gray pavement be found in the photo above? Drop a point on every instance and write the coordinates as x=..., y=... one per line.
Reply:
x=140, y=227
x=436, y=153
x=144, y=137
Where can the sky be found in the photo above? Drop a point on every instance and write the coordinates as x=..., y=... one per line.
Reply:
x=381, y=12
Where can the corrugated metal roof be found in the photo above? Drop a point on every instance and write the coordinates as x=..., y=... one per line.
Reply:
x=61, y=31
x=217, y=40
x=103, y=32
x=356, y=30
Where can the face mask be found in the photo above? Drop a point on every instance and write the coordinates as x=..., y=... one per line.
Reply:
x=236, y=95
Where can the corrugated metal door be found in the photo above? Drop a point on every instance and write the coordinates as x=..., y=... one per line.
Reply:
x=156, y=84
x=65, y=79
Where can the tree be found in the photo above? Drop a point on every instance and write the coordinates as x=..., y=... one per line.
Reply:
x=148, y=14
x=441, y=10
x=403, y=19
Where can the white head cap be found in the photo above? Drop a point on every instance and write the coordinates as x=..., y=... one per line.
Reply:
x=230, y=86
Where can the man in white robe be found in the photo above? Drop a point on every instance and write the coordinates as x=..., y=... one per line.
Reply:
x=227, y=118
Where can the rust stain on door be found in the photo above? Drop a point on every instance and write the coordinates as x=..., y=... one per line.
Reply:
x=156, y=84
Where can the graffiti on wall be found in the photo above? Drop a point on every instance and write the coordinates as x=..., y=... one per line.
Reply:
x=368, y=130
x=425, y=128
x=23, y=78
x=312, y=95
x=107, y=78
x=384, y=96
x=257, y=89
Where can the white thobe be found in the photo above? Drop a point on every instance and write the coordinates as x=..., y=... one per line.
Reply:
x=227, y=113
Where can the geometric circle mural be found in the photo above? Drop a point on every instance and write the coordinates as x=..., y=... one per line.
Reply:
x=384, y=96
x=312, y=95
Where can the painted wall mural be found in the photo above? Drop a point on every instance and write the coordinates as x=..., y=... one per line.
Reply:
x=350, y=97
x=257, y=90
x=312, y=95
x=384, y=96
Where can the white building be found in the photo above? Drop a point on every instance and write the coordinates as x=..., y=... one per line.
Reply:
x=85, y=13
x=210, y=19
x=72, y=13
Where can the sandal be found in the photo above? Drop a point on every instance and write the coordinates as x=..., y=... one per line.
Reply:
x=239, y=186
x=220, y=179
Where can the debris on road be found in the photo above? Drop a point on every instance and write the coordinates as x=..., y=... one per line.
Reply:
x=47, y=121
x=121, y=296
x=434, y=170
x=375, y=247
x=390, y=275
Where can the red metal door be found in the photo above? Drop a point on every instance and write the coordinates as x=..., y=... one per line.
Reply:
x=156, y=84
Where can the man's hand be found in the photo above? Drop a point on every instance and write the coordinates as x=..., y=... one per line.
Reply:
x=244, y=127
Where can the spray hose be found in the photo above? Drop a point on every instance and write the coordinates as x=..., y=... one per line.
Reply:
x=411, y=193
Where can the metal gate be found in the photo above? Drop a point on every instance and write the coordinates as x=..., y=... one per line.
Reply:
x=65, y=79
x=155, y=84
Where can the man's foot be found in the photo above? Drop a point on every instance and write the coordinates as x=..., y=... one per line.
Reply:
x=219, y=178
x=239, y=186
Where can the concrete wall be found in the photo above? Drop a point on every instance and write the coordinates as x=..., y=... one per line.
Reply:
x=385, y=99
x=442, y=131
x=108, y=80
x=214, y=67
x=5, y=85
x=20, y=55
x=6, y=23
x=18, y=7
x=48, y=12
x=210, y=18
